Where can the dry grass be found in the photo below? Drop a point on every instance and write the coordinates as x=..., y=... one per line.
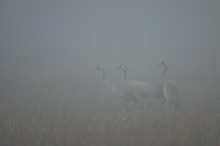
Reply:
x=61, y=116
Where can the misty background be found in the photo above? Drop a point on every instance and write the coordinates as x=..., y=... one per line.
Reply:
x=45, y=43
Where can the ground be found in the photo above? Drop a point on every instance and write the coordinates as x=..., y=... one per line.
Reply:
x=54, y=116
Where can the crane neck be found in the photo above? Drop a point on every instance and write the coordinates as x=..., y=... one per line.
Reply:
x=164, y=72
x=125, y=74
x=103, y=74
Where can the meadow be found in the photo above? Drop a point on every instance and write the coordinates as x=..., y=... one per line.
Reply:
x=72, y=116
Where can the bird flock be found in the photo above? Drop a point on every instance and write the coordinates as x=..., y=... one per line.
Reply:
x=167, y=93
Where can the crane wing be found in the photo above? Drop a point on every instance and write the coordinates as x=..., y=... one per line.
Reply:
x=120, y=92
x=142, y=88
x=114, y=89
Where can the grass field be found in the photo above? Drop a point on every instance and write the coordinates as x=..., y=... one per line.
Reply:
x=71, y=116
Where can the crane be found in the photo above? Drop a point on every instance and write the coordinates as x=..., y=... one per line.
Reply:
x=170, y=90
x=143, y=89
x=116, y=91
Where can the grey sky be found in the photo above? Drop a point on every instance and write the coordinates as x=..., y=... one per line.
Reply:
x=65, y=40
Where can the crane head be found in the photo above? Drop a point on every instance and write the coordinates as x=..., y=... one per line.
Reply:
x=121, y=67
x=99, y=68
x=164, y=63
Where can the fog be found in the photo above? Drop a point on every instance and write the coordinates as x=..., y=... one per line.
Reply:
x=61, y=42
x=51, y=95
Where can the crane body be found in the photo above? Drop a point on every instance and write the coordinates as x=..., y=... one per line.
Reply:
x=116, y=91
x=170, y=90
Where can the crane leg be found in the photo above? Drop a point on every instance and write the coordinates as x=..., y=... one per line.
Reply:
x=125, y=107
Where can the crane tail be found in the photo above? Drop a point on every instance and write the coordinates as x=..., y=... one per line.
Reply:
x=131, y=97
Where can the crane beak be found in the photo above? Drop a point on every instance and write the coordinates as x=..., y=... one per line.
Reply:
x=160, y=63
x=164, y=63
x=117, y=68
x=95, y=69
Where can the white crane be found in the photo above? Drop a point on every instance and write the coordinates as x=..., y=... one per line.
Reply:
x=118, y=92
x=170, y=91
x=143, y=89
